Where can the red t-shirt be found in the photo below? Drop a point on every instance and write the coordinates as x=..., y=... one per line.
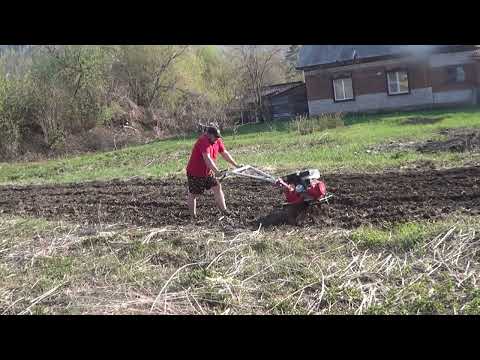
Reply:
x=197, y=166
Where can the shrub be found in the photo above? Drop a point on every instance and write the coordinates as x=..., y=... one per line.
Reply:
x=304, y=125
x=67, y=90
x=14, y=111
x=111, y=115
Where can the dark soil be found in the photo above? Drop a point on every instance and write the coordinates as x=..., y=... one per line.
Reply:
x=359, y=199
x=459, y=140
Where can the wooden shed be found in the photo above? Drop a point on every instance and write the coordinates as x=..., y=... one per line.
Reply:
x=280, y=101
x=288, y=101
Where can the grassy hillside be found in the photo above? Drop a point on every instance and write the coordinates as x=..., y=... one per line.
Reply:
x=275, y=147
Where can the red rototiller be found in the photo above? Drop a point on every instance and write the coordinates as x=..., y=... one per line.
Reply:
x=301, y=187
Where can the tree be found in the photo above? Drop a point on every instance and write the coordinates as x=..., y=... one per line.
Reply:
x=206, y=86
x=291, y=57
x=220, y=74
x=68, y=85
x=255, y=61
x=146, y=71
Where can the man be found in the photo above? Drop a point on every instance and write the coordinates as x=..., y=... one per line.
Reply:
x=201, y=169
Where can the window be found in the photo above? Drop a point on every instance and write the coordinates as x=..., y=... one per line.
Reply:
x=456, y=74
x=342, y=89
x=397, y=82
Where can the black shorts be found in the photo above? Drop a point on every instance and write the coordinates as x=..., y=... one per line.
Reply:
x=198, y=184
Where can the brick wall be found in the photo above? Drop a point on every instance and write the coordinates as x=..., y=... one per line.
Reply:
x=319, y=86
x=428, y=80
x=440, y=79
x=373, y=102
x=366, y=80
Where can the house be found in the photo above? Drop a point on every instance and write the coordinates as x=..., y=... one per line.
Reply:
x=369, y=78
x=280, y=101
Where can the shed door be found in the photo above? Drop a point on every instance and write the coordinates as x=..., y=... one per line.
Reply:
x=281, y=107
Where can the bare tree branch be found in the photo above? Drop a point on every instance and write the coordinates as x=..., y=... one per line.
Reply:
x=255, y=61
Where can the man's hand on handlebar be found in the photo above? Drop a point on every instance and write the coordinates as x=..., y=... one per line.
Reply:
x=283, y=184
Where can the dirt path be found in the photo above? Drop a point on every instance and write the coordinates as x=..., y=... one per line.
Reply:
x=359, y=199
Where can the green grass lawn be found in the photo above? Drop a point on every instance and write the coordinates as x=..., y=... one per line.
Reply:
x=272, y=146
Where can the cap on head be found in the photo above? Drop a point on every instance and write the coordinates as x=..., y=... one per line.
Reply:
x=214, y=131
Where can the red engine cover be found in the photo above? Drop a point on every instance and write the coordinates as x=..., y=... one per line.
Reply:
x=293, y=197
x=316, y=191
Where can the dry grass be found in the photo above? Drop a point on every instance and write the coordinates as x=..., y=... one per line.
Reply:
x=304, y=125
x=58, y=268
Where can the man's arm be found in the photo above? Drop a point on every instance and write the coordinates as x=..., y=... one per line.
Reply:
x=226, y=155
x=284, y=185
x=210, y=163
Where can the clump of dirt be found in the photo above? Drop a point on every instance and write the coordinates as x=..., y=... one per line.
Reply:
x=291, y=215
x=420, y=165
x=297, y=215
x=394, y=146
x=459, y=140
x=381, y=198
x=423, y=120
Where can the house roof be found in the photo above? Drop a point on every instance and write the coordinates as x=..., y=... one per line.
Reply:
x=316, y=55
x=276, y=89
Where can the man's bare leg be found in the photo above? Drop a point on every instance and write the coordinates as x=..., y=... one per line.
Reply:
x=219, y=197
x=192, y=204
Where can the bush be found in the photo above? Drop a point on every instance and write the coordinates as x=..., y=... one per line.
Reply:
x=101, y=139
x=188, y=111
x=112, y=115
x=67, y=87
x=304, y=125
x=57, y=96
x=14, y=111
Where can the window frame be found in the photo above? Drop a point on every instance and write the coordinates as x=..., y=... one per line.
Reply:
x=455, y=68
x=397, y=70
x=343, y=77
